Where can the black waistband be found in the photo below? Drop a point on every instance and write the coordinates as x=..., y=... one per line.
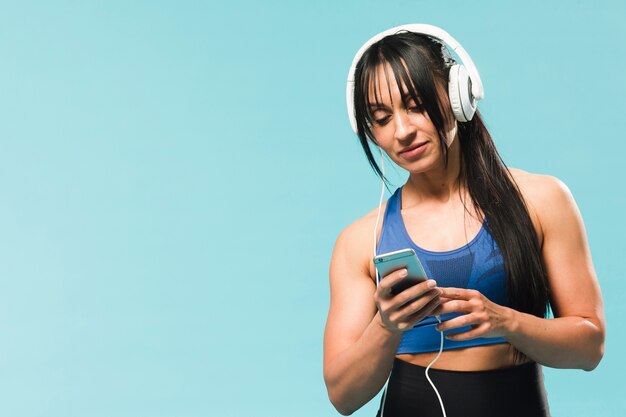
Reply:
x=514, y=391
x=522, y=369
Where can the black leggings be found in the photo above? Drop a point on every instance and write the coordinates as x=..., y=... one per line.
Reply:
x=509, y=392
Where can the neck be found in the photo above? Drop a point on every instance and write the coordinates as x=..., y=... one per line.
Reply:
x=440, y=183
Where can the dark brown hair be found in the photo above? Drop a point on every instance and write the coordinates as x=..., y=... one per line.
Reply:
x=420, y=64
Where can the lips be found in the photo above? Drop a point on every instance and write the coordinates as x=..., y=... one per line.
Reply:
x=413, y=150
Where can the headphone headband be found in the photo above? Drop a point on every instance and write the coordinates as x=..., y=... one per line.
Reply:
x=478, y=91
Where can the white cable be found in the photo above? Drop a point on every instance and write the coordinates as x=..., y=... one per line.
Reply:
x=380, y=204
x=443, y=409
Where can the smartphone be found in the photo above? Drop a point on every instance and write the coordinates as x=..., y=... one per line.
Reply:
x=386, y=263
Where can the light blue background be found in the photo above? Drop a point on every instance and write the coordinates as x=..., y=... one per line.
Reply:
x=173, y=176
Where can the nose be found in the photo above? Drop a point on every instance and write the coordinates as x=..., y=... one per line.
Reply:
x=404, y=129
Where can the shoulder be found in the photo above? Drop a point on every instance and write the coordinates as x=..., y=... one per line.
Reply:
x=546, y=197
x=355, y=243
x=540, y=190
x=366, y=222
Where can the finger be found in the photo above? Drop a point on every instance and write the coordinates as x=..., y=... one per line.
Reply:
x=437, y=311
x=478, y=331
x=427, y=310
x=385, y=284
x=418, y=305
x=416, y=291
x=455, y=306
x=443, y=300
x=457, y=293
x=455, y=323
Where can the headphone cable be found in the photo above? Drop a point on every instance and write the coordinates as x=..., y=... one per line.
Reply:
x=380, y=204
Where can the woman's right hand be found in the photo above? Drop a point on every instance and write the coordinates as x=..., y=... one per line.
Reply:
x=402, y=311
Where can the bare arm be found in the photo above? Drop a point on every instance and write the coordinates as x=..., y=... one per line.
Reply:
x=359, y=341
x=575, y=337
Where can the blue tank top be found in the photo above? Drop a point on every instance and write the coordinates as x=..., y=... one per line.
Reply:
x=477, y=265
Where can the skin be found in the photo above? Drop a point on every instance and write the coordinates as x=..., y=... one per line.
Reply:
x=365, y=323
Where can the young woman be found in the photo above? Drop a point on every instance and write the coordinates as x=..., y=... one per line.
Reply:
x=499, y=246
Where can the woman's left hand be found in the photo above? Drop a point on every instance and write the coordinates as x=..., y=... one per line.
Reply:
x=486, y=318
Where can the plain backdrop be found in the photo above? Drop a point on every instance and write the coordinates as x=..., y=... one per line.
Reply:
x=174, y=174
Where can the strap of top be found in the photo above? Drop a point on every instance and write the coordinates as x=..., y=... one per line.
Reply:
x=390, y=224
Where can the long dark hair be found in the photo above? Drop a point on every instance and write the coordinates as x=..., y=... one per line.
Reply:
x=420, y=65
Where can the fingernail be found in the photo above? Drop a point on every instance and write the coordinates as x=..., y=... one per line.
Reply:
x=438, y=327
x=432, y=283
x=403, y=273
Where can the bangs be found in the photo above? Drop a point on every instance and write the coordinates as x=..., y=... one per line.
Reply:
x=412, y=72
x=373, y=83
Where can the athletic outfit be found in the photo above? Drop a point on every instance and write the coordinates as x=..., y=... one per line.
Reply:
x=504, y=392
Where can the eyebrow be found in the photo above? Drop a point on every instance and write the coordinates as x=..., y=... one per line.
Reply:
x=408, y=98
x=378, y=106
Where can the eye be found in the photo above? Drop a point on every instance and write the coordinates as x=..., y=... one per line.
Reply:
x=380, y=117
x=381, y=121
x=415, y=108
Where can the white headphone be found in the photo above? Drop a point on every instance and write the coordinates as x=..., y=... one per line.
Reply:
x=464, y=88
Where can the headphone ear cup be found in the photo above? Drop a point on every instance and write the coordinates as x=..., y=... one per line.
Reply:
x=459, y=91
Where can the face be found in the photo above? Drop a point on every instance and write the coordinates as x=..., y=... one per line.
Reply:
x=403, y=129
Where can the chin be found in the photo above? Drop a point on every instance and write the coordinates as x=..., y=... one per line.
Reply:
x=420, y=166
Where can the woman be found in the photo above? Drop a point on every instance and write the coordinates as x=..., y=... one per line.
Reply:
x=499, y=245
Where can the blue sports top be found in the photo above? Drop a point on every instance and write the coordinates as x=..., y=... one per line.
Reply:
x=477, y=265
